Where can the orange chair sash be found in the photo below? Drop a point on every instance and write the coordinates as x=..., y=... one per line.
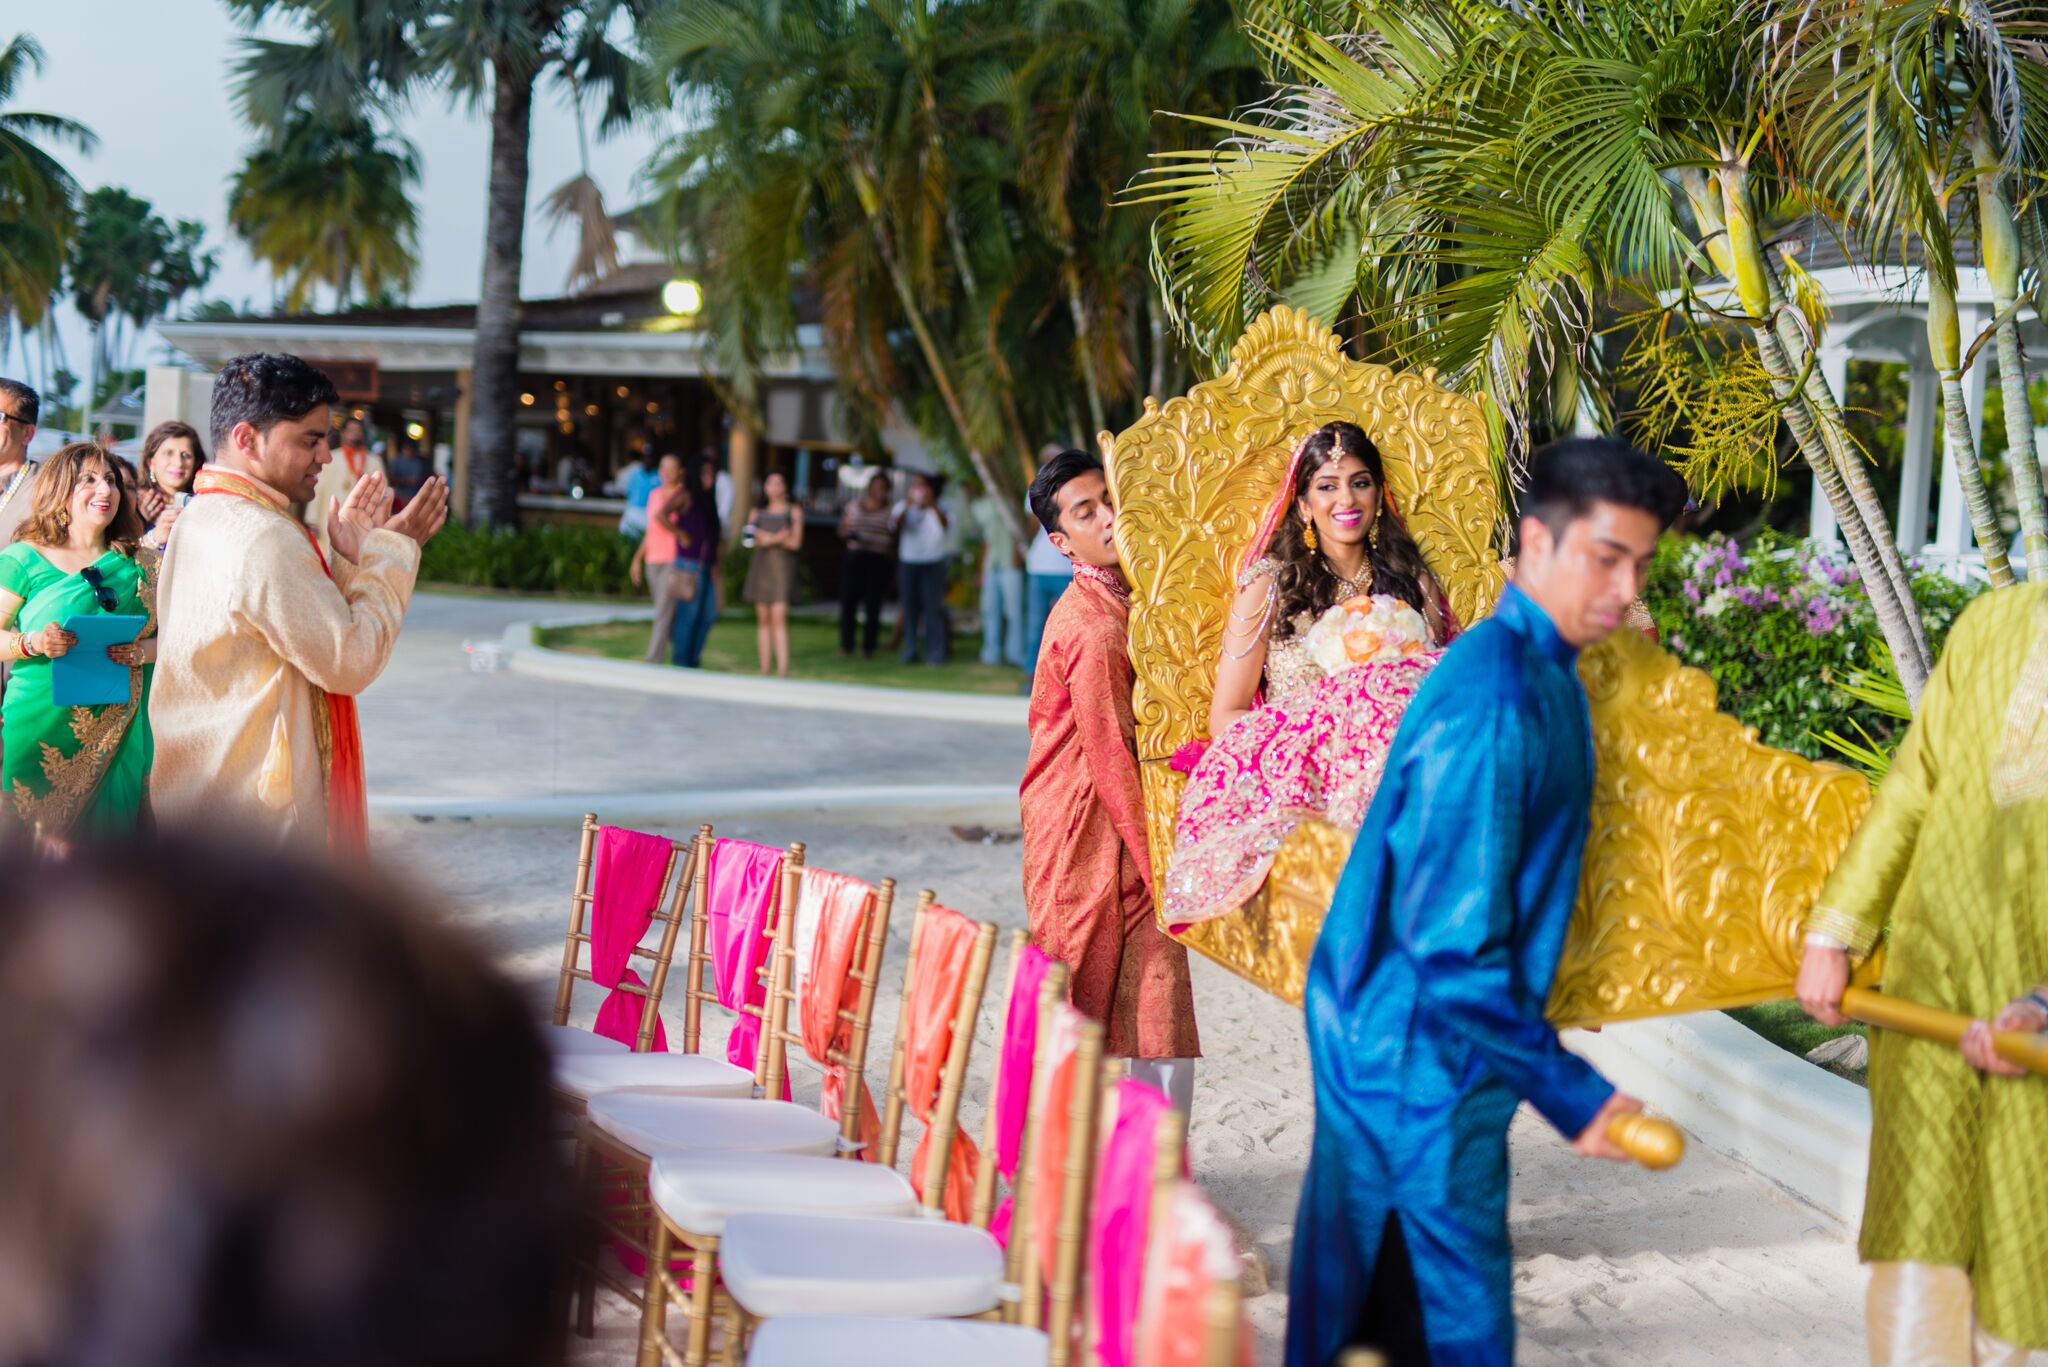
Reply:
x=843, y=904
x=1049, y=1162
x=945, y=942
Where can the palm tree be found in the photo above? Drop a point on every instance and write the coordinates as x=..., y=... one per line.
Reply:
x=362, y=52
x=38, y=196
x=578, y=203
x=840, y=141
x=330, y=202
x=1484, y=177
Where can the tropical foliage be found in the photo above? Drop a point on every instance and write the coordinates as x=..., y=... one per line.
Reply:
x=127, y=268
x=939, y=177
x=38, y=197
x=351, y=58
x=330, y=202
x=1481, y=185
x=1787, y=634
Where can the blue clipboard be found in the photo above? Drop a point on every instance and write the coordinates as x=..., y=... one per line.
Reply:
x=84, y=676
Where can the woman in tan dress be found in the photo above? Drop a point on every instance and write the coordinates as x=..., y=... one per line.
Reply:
x=776, y=532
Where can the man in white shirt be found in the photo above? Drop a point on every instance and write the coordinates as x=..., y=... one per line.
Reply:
x=923, y=548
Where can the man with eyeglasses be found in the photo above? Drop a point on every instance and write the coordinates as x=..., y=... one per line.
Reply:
x=20, y=406
x=19, y=409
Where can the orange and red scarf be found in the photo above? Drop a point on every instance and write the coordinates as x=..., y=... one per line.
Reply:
x=348, y=821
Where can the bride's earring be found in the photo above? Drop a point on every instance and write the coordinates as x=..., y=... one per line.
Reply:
x=1308, y=536
x=1372, y=531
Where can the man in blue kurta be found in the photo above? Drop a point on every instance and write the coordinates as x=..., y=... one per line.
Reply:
x=1426, y=992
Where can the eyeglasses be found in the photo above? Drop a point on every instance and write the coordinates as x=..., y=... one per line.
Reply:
x=109, y=600
x=7, y=417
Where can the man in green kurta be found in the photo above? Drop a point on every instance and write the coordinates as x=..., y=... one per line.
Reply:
x=1954, y=854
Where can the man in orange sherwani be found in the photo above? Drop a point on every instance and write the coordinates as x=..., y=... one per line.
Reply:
x=1087, y=876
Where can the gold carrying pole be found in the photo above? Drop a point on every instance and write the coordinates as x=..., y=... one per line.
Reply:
x=1943, y=1027
x=1655, y=1143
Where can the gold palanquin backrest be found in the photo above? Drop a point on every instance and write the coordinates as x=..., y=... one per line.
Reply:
x=1707, y=848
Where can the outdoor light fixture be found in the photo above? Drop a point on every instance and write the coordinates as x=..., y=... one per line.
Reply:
x=620, y=391
x=526, y=399
x=415, y=430
x=590, y=410
x=682, y=297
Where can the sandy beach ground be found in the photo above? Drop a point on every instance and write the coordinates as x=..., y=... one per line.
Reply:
x=1705, y=1264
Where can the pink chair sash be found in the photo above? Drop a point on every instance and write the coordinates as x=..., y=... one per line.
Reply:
x=1187, y=1258
x=1119, y=1217
x=745, y=882
x=1013, y=1075
x=844, y=904
x=945, y=945
x=628, y=870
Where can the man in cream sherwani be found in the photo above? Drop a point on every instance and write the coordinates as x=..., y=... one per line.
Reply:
x=263, y=643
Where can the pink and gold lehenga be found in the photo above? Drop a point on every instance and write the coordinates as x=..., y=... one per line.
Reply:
x=1314, y=748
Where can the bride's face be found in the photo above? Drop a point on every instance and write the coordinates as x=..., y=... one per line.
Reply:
x=1341, y=501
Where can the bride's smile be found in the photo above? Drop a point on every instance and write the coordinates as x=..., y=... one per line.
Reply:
x=1340, y=504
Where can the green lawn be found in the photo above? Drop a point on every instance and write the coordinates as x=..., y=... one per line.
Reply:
x=1791, y=1029
x=813, y=655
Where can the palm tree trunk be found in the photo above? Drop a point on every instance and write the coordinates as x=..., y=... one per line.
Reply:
x=1999, y=241
x=1849, y=462
x=494, y=369
x=1009, y=499
x=1944, y=343
x=1750, y=273
x=1079, y=313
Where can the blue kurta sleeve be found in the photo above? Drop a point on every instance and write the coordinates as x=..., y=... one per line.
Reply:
x=1455, y=905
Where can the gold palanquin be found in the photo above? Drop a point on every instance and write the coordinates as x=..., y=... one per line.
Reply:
x=1707, y=848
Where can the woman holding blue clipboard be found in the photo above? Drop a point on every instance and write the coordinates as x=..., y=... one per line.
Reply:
x=78, y=624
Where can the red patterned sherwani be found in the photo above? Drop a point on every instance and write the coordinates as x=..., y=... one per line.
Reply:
x=1087, y=877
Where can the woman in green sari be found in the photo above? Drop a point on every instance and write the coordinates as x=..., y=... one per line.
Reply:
x=75, y=771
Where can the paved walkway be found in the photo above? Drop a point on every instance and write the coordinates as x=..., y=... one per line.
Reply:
x=1704, y=1265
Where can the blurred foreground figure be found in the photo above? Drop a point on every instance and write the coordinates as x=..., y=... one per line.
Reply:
x=258, y=1114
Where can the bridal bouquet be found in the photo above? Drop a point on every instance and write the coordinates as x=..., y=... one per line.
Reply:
x=1369, y=629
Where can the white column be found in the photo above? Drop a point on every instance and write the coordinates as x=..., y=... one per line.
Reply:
x=1952, y=535
x=1834, y=368
x=1923, y=401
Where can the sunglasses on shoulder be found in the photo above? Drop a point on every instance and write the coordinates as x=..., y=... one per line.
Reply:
x=108, y=599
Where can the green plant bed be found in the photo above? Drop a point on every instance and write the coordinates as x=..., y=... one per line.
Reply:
x=813, y=655
x=1791, y=1029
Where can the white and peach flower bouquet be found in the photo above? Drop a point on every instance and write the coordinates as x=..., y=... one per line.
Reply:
x=1369, y=629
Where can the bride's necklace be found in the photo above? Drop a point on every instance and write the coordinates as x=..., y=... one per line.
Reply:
x=1351, y=588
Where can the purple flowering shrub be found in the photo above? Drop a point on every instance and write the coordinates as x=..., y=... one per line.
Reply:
x=1779, y=624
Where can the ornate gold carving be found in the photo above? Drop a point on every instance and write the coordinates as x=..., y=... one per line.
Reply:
x=1707, y=848
x=1191, y=480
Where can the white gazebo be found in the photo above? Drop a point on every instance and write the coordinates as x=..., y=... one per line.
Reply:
x=1880, y=314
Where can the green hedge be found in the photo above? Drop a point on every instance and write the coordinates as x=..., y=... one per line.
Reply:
x=1779, y=624
x=543, y=558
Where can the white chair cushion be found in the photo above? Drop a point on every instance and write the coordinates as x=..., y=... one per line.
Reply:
x=587, y=1075
x=849, y=1341
x=654, y=1122
x=700, y=1191
x=776, y=1264
x=570, y=1039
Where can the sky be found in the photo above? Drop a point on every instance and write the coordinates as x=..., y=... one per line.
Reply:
x=153, y=79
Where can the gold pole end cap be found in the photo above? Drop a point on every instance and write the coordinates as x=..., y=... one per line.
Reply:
x=1651, y=1141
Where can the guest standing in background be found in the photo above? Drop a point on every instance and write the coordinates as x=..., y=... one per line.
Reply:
x=171, y=457
x=352, y=460
x=776, y=532
x=636, y=482
x=409, y=471
x=923, y=536
x=20, y=406
x=712, y=524
x=1046, y=576
x=692, y=514
x=1002, y=584
x=655, y=559
x=868, y=529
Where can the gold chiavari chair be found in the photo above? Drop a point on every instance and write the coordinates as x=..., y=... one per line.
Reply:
x=583, y=1071
x=775, y=1261
x=622, y=1130
x=1191, y=1306
x=872, y=1330
x=564, y=1038
x=783, y=1263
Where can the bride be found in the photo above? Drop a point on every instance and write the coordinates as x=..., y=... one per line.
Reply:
x=1292, y=741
